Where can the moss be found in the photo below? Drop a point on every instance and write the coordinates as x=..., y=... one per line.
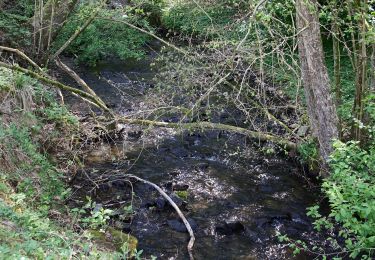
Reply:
x=183, y=194
x=114, y=239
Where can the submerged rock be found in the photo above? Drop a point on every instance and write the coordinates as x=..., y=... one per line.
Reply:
x=160, y=203
x=230, y=228
x=179, y=226
x=180, y=187
x=135, y=134
x=176, y=199
x=202, y=166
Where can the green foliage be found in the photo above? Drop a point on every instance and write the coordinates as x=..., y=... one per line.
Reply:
x=59, y=114
x=31, y=186
x=13, y=30
x=207, y=20
x=369, y=107
x=150, y=10
x=99, y=216
x=20, y=7
x=14, y=18
x=103, y=38
x=183, y=194
x=347, y=77
x=27, y=234
x=308, y=152
x=351, y=191
x=6, y=79
x=25, y=162
x=48, y=183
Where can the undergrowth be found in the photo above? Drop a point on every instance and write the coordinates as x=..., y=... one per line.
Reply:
x=35, y=131
x=103, y=38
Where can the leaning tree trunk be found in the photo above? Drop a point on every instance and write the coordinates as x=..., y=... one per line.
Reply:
x=320, y=105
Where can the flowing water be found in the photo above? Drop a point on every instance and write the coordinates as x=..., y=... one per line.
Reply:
x=235, y=197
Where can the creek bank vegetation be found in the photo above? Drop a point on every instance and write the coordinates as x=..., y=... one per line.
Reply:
x=298, y=74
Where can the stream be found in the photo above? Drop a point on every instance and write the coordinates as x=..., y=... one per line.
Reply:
x=235, y=197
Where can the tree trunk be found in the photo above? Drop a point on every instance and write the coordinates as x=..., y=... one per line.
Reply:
x=372, y=76
x=50, y=19
x=361, y=71
x=320, y=106
x=337, y=62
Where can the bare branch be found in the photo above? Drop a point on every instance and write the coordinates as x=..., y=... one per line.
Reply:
x=180, y=214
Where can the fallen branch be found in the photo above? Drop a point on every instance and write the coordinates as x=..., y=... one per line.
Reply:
x=79, y=80
x=214, y=126
x=222, y=79
x=82, y=94
x=23, y=55
x=180, y=214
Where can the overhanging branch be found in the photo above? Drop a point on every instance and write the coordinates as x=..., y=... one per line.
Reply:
x=214, y=126
x=82, y=94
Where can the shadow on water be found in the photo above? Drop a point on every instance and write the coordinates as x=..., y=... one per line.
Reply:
x=235, y=197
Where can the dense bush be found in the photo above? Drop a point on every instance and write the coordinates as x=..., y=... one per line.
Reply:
x=33, y=137
x=209, y=20
x=351, y=193
x=103, y=38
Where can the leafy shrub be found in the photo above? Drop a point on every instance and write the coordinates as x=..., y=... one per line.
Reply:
x=27, y=234
x=47, y=184
x=59, y=114
x=103, y=38
x=15, y=21
x=22, y=159
x=189, y=18
x=12, y=29
x=150, y=10
x=351, y=193
x=308, y=152
x=350, y=190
